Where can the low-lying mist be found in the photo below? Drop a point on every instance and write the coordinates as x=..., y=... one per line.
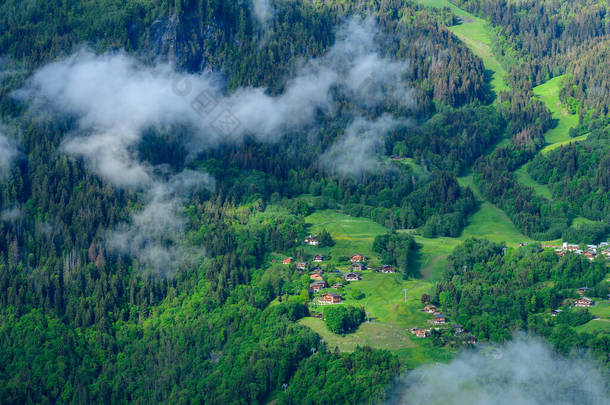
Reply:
x=115, y=100
x=524, y=371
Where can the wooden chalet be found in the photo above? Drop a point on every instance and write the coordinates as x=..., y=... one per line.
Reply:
x=336, y=286
x=316, y=276
x=357, y=258
x=457, y=329
x=429, y=309
x=312, y=240
x=386, y=268
x=287, y=260
x=583, y=302
x=318, y=258
x=330, y=298
x=352, y=276
x=357, y=266
x=301, y=266
x=439, y=319
x=317, y=286
x=422, y=333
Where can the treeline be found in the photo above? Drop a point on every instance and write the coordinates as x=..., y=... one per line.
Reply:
x=494, y=292
x=528, y=119
x=587, y=88
x=579, y=175
x=546, y=34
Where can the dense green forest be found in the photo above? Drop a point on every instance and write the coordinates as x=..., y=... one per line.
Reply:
x=170, y=290
x=495, y=293
x=578, y=174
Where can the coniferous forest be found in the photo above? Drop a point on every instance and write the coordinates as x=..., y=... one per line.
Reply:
x=297, y=202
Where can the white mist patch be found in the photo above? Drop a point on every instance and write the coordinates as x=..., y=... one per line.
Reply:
x=155, y=234
x=263, y=10
x=8, y=152
x=522, y=372
x=11, y=214
x=115, y=99
x=356, y=151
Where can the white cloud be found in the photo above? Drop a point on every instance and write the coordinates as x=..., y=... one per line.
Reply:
x=522, y=372
x=8, y=152
x=356, y=151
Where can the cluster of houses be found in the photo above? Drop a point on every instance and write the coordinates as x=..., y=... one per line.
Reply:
x=318, y=284
x=590, y=252
x=439, y=320
x=438, y=317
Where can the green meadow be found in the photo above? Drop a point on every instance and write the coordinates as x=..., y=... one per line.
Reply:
x=479, y=37
x=524, y=178
x=489, y=221
x=390, y=316
x=351, y=234
x=600, y=310
x=548, y=93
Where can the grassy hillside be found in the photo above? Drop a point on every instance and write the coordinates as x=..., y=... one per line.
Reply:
x=524, y=178
x=478, y=35
x=548, y=92
x=351, y=234
x=601, y=311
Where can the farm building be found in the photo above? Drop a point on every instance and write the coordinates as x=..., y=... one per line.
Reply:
x=420, y=333
x=439, y=319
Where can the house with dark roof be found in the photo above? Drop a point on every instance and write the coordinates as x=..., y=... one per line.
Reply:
x=317, y=286
x=357, y=266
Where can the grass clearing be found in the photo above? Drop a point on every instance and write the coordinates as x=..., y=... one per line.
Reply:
x=548, y=93
x=489, y=221
x=351, y=234
x=412, y=352
x=374, y=334
x=524, y=178
x=600, y=310
x=479, y=37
